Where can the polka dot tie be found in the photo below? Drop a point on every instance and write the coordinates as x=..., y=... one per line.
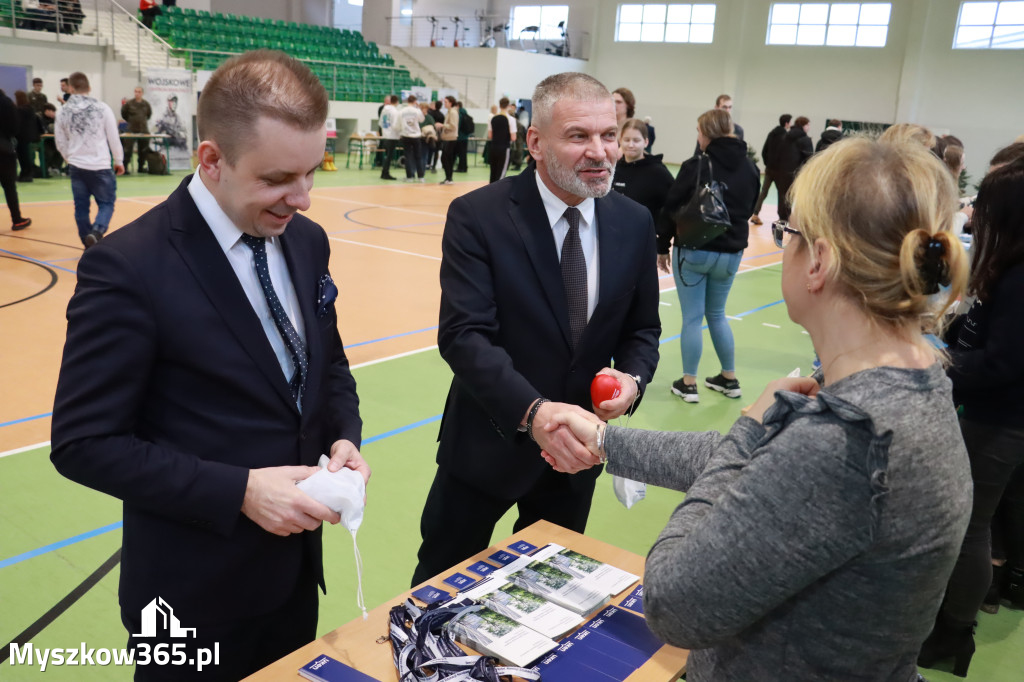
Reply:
x=284, y=325
x=574, y=275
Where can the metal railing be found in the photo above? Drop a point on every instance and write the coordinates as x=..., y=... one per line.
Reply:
x=65, y=18
x=482, y=31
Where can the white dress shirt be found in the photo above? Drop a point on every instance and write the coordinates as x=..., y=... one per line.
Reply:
x=555, y=209
x=243, y=263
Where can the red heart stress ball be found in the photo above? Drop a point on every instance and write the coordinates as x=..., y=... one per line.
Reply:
x=604, y=387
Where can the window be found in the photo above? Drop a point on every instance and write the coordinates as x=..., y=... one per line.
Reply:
x=851, y=24
x=545, y=17
x=990, y=25
x=665, y=23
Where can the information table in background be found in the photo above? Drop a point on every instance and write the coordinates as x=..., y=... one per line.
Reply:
x=356, y=643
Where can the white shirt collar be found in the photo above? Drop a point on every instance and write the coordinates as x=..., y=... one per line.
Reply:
x=555, y=207
x=225, y=231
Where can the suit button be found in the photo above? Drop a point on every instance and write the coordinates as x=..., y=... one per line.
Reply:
x=302, y=436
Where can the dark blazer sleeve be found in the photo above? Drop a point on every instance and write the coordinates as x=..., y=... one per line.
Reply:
x=109, y=359
x=468, y=327
x=678, y=195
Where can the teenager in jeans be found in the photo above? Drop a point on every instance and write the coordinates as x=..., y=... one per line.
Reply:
x=817, y=536
x=86, y=135
x=704, y=276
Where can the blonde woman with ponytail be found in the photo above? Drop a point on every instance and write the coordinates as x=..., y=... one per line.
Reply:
x=816, y=537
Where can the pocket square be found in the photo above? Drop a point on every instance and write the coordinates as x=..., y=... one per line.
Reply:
x=326, y=295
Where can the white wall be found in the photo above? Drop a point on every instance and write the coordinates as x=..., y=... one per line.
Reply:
x=315, y=12
x=519, y=72
x=348, y=16
x=916, y=77
x=52, y=61
x=199, y=5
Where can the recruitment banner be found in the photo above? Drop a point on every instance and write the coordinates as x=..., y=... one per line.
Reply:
x=169, y=92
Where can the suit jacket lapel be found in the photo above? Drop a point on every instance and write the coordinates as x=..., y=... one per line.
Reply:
x=299, y=260
x=531, y=221
x=193, y=239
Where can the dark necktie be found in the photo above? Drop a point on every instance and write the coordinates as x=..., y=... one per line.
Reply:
x=574, y=275
x=284, y=325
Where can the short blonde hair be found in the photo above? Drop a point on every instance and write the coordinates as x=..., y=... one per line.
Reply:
x=715, y=123
x=909, y=132
x=254, y=84
x=879, y=204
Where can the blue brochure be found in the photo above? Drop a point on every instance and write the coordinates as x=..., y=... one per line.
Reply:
x=459, y=581
x=634, y=601
x=523, y=547
x=503, y=558
x=481, y=568
x=612, y=658
x=429, y=595
x=569, y=663
x=626, y=628
x=326, y=669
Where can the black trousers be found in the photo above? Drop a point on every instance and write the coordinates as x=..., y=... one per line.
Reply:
x=770, y=176
x=388, y=146
x=462, y=152
x=994, y=452
x=27, y=170
x=143, y=146
x=245, y=644
x=1008, y=524
x=448, y=157
x=783, y=181
x=458, y=519
x=498, y=161
x=9, y=179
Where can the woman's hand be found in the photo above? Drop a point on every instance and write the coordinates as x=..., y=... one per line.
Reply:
x=805, y=385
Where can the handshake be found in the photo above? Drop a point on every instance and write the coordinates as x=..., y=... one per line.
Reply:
x=570, y=437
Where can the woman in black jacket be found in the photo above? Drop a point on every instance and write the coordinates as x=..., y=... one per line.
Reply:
x=641, y=177
x=29, y=132
x=704, y=276
x=794, y=151
x=987, y=370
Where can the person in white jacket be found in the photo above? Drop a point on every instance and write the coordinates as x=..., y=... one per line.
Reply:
x=86, y=136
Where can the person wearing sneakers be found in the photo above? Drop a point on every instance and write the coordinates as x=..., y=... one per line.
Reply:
x=410, y=119
x=86, y=135
x=9, y=161
x=704, y=276
x=390, y=132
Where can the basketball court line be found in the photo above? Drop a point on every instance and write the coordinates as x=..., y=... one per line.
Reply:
x=384, y=248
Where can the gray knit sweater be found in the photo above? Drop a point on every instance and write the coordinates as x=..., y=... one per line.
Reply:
x=815, y=547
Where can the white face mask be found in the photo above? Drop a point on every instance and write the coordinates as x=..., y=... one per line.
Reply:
x=343, y=491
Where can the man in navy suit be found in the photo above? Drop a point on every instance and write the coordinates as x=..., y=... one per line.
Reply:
x=203, y=375
x=545, y=277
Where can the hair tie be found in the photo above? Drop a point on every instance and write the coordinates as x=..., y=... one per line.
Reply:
x=934, y=270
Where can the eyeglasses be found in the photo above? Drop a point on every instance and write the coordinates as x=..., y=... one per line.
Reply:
x=780, y=228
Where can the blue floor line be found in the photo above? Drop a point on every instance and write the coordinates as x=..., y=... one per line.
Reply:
x=36, y=260
x=18, y=558
x=393, y=336
x=27, y=419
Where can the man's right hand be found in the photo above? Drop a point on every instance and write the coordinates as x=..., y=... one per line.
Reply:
x=560, y=444
x=274, y=503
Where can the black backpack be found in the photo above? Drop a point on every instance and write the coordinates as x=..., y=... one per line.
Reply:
x=466, y=124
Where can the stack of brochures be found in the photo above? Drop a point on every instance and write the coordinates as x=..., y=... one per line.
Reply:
x=530, y=602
